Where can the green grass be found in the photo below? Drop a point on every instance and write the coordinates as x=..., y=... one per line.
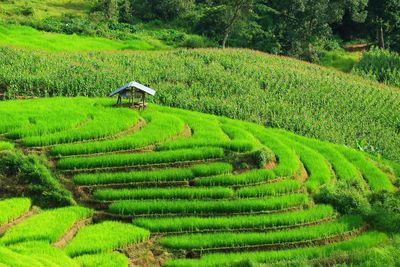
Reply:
x=282, y=187
x=27, y=37
x=6, y=145
x=232, y=240
x=203, y=207
x=126, y=207
x=164, y=175
x=364, y=241
x=343, y=168
x=288, y=161
x=34, y=254
x=340, y=60
x=123, y=160
x=105, y=237
x=42, y=226
x=317, y=167
x=246, y=178
x=376, y=179
x=160, y=127
x=270, y=90
x=164, y=193
x=99, y=124
x=238, y=222
x=44, y=253
x=110, y=259
x=13, y=208
x=45, y=8
x=380, y=65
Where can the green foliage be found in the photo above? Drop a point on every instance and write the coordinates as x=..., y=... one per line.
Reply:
x=346, y=198
x=364, y=241
x=237, y=222
x=385, y=213
x=47, y=226
x=111, y=259
x=380, y=65
x=165, y=175
x=123, y=160
x=34, y=254
x=127, y=207
x=247, y=178
x=13, y=208
x=159, y=128
x=104, y=237
x=262, y=157
x=6, y=146
x=28, y=171
x=376, y=178
x=27, y=37
x=164, y=193
x=343, y=61
x=283, y=187
x=230, y=240
x=318, y=170
x=251, y=86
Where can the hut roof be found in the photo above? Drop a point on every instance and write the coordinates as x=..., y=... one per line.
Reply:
x=135, y=85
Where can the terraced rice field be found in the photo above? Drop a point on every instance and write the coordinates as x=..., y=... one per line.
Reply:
x=191, y=180
x=62, y=237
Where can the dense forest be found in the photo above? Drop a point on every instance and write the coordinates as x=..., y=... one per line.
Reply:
x=300, y=28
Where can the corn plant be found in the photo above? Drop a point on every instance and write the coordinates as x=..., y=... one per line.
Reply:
x=270, y=90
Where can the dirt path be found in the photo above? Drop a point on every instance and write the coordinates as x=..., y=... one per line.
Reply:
x=63, y=241
x=20, y=219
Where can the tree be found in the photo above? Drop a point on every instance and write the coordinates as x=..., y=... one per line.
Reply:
x=161, y=9
x=384, y=15
x=302, y=21
x=109, y=8
x=223, y=18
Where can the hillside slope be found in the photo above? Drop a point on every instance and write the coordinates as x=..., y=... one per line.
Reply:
x=270, y=90
x=211, y=190
x=27, y=37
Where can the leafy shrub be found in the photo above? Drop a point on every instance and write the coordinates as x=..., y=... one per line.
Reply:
x=262, y=157
x=385, y=214
x=195, y=41
x=27, y=11
x=380, y=65
x=345, y=197
x=44, y=189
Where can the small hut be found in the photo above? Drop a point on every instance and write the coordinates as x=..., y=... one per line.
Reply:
x=135, y=93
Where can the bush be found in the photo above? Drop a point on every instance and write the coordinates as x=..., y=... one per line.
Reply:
x=380, y=65
x=347, y=198
x=385, y=214
x=28, y=172
x=195, y=41
x=27, y=11
x=262, y=157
